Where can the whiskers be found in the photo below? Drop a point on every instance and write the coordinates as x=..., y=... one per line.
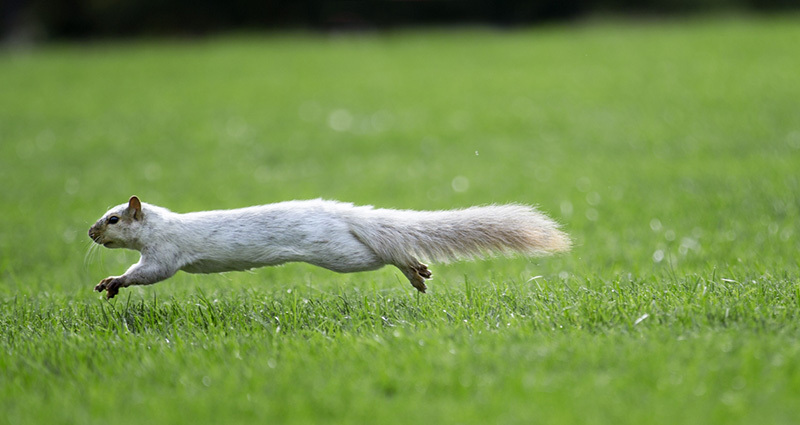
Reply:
x=91, y=254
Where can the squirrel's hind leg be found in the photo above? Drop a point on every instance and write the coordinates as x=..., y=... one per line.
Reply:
x=417, y=273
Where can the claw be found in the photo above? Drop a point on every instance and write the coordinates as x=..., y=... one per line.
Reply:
x=100, y=287
x=109, y=284
x=422, y=270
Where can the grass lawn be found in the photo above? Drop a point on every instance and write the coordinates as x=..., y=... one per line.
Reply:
x=669, y=151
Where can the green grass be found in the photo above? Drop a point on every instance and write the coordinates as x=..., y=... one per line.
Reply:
x=668, y=151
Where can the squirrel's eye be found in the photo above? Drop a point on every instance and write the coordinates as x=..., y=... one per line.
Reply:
x=113, y=219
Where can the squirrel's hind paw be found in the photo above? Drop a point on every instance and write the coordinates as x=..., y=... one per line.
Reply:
x=416, y=274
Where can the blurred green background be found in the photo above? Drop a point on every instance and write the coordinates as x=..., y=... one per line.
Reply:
x=676, y=142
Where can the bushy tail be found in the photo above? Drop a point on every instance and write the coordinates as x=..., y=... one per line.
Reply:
x=404, y=237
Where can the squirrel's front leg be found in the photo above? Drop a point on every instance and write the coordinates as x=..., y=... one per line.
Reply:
x=141, y=273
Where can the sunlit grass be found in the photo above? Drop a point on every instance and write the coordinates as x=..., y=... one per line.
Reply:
x=668, y=152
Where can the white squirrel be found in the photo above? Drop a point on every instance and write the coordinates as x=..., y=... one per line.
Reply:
x=335, y=235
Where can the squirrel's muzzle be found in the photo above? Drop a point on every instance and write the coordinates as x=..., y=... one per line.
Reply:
x=94, y=234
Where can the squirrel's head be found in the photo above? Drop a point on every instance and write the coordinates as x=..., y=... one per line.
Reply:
x=119, y=227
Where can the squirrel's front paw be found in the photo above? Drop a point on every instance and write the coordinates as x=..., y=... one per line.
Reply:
x=111, y=285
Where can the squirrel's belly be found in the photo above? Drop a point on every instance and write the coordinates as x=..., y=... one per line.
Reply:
x=211, y=266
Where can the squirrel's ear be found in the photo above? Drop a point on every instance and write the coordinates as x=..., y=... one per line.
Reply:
x=135, y=207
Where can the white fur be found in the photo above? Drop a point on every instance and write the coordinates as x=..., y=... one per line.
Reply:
x=335, y=235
